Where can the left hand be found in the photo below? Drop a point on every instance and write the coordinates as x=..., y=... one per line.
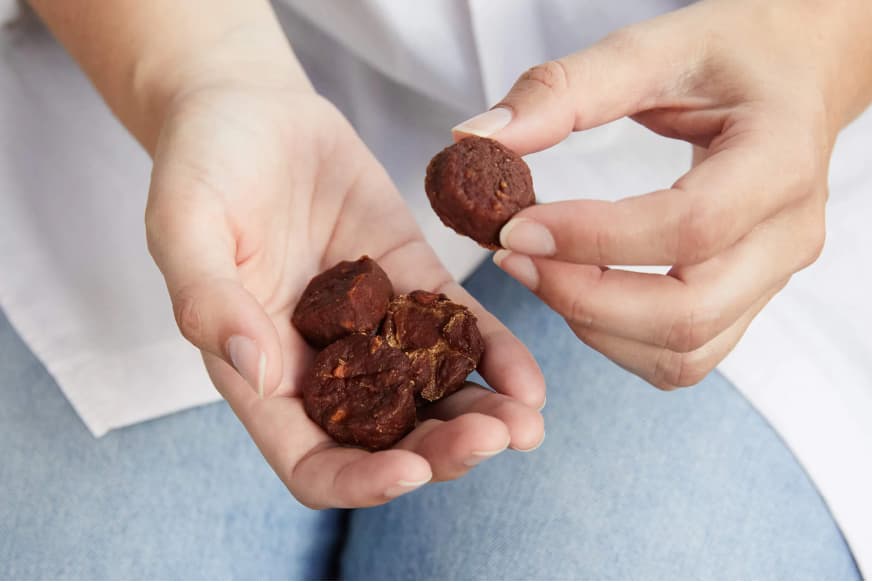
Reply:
x=761, y=89
x=256, y=188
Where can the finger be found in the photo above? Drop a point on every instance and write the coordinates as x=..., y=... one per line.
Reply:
x=629, y=71
x=192, y=245
x=345, y=477
x=455, y=446
x=711, y=207
x=317, y=471
x=667, y=369
x=507, y=365
x=525, y=424
x=687, y=308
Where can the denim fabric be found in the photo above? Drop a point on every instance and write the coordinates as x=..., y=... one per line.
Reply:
x=185, y=496
x=630, y=483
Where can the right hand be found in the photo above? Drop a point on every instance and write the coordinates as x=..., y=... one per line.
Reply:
x=762, y=98
x=254, y=191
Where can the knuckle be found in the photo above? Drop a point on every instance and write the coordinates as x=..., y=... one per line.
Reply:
x=677, y=370
x=699, y=236
x=667, y=367
x=691, y=330
x=694, y=370
x=154, y=228
x=187, y=313
x=579, y=316
x=552, y=75
x=163, y=224
x=604, y=240
x=815, y=241
x=801, y=182
x=662, y=386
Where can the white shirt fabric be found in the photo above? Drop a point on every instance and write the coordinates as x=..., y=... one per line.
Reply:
x=79, y=286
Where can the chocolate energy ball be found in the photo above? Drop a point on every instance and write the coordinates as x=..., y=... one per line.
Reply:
x=360, y=392
x=351, y=297
x=476, y=186
x=440, y=337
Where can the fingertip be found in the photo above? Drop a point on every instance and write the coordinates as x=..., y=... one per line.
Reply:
x=485, y=124
x=529, y=237
x=521, y=268
x=534, y=396
x=500, y=256
x=246, y=358
x=415, y=472
x=349, y=478
x=260, y=371
x=457, y=445
x=530, y=448
x=410, y=466
x=524, y=423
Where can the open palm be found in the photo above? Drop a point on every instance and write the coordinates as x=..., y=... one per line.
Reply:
x=255, y=191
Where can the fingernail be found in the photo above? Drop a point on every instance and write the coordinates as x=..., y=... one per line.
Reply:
x=528, y=237
x=520, y=267
x=534, y=447
x=544, y=402
x=248, y=360
x=480, y=456
x=405, y=486
x=485, y=124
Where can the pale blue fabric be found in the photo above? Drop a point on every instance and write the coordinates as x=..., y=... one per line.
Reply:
x=186, y=496
x=630, y=483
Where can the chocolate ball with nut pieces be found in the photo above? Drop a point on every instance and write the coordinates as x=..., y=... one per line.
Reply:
x=360, y=392
x=476, y=185
x=440, y=337
x=351, y=297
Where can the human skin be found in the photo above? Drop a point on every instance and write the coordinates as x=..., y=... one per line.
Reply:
x=259, y=184
x=761, y=89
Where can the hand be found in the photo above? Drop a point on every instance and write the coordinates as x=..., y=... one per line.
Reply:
x=761, y=89
x=255, y=190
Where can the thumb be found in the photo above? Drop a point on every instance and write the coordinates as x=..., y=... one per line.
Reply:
x=196, y=254
x=625, y=73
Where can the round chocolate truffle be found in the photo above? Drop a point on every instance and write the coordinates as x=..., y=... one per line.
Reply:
x=476, y=186
x=360, y=392
x=350, y=297
x=440, y=337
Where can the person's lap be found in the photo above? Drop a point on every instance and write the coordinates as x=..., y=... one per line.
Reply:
x=186, y=496
x=629, y=483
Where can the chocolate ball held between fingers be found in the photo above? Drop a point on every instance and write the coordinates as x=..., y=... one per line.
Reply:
x=351, y=297
x=360, y=392
x=440, y=337
x=476, y=185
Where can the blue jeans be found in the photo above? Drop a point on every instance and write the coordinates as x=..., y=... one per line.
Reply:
x=630, y=483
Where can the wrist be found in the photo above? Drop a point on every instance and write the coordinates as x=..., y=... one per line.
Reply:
x=840, y=31
x=243, y=59
x=142, y=55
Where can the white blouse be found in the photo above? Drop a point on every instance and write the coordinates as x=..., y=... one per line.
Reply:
x=80, y=288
